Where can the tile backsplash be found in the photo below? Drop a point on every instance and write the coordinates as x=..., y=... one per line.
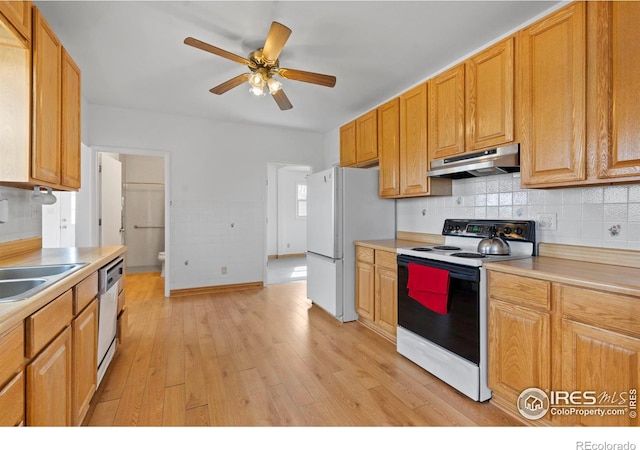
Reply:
x=603, y=216
x=24, y=221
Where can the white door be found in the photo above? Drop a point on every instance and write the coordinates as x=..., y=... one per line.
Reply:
x=111, y=228
x=322, y=217
x=58, y=221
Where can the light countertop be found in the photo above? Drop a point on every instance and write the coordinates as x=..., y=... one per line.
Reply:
x=607, y=277
x=12, y=313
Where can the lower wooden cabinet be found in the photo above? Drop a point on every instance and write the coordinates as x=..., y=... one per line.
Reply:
x=365, y=282
x=85, y=361
x=49, y=380
x=12, y=402
x=377, y=289
x=603, y=362
x=565, y=340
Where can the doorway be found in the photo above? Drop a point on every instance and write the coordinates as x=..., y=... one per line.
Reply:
x=286, y=225
x=144, y=218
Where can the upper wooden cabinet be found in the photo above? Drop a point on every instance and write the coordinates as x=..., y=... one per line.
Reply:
x=413, y=147
x=447, y=113
x=578, y=96
x=413, y=142
x=389, y=148
x=44, y=112
x=359, y=141
x=70, y=123
x=552, y=91
x=490, y=84
x=613, y=88
x=19, y=15
x=348, y=144
x=47, y=52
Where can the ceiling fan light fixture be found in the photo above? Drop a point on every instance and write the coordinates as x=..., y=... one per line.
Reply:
x=273, y=85
x=257, y=91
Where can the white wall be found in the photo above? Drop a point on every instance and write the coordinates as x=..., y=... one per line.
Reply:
x=272, y=209
x=217, y=178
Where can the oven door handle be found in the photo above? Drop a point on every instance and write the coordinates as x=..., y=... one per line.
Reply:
x=455, y=270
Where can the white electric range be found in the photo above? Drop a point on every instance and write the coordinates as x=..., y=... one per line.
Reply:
x=453, y=346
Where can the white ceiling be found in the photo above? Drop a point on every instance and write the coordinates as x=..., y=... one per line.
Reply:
x=132, y=54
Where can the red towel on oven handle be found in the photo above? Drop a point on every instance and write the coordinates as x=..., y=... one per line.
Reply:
x=429, y=286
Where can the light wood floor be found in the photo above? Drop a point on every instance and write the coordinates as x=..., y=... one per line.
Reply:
x=265, y=357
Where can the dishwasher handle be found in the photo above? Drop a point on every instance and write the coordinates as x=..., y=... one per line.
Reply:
x=109, y=275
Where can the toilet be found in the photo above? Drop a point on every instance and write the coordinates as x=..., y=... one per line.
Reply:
x=161, y=259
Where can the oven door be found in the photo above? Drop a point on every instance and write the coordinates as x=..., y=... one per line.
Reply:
x=459, y=330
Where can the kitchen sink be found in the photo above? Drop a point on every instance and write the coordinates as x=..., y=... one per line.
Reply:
x=22, y=272
x=12, y=290
x=21, y=282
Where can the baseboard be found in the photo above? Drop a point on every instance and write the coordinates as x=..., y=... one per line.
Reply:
x=289, y=255
x=216, y=289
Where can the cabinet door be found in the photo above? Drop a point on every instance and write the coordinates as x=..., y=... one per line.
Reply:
x=389, y=148
x=386, y=299
x=413, y=142
x=19, y=14
x=446, y=113
x=348, y=144
x=552, y=90
x=85, y=361
x=12, y=402
x=45, y=156
x=603, y=361
x=367, y=137
x=49, y=384
x=617, y=87
x=490, y=97
x=70, y=123
x=365, y=290
x=519, y=351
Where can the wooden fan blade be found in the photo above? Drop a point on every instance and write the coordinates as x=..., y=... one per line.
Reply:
x=229, y=84
x=282, y=100
x=308, y=77
x=216, y=51
x=277, y=37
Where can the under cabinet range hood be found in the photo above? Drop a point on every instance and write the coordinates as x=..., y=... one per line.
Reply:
x=494, y=161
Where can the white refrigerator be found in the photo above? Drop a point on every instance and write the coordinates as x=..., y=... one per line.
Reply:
x=342, y=206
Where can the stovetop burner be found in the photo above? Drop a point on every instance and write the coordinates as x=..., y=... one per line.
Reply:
x=446, y=247
x=468, y=255
x=422, y=249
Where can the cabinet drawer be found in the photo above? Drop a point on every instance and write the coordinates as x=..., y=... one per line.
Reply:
x=603, y=309
x=520, y=290
x=364, y=254
x=46, y=323
x=11, y=352
x=84, y=292
x=12, y=402
x=386, y=259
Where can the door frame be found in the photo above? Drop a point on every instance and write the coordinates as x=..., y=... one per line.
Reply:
x=167, y=198
x=265, y=209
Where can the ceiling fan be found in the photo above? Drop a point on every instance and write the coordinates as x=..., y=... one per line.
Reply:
x=264, y=65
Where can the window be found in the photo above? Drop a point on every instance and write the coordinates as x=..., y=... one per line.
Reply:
x=301, y=200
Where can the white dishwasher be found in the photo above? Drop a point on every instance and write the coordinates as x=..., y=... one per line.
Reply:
x=108, y=286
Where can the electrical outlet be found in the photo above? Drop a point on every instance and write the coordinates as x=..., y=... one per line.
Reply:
x=223, y=270
x=547, y=221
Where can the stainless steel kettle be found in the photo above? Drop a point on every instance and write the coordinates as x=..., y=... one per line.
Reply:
x=493, y=245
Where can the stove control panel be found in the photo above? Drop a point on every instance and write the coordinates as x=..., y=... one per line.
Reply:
x=520, y=230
